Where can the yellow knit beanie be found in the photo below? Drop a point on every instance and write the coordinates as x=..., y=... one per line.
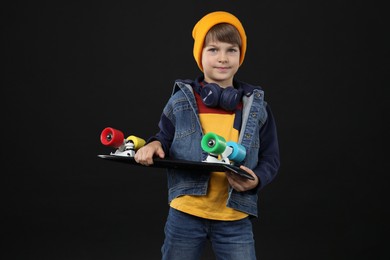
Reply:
x=202, y=27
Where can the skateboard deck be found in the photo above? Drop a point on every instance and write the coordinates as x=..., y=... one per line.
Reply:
x=181, y=164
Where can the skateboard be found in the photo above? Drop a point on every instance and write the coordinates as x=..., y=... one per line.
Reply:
x=221, y=154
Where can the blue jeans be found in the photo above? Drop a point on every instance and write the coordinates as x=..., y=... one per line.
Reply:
x=186, y=235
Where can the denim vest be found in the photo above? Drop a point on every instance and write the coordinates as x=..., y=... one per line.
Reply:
x=182, y=111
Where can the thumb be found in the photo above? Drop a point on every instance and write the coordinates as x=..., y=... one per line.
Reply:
x=160, y=153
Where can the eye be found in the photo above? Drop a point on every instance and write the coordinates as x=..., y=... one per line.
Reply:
x=212, y=50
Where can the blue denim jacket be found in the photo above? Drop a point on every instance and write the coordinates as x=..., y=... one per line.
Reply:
x=181, y=133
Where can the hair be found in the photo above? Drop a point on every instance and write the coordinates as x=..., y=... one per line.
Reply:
x=223, y=32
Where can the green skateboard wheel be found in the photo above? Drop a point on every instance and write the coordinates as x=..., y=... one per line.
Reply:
x=213, y=143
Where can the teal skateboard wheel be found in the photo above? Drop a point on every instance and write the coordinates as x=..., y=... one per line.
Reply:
x=239, y=152
x=213, y=143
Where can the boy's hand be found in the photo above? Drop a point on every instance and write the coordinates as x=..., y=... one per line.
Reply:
x=145, y=154
x=240, y=183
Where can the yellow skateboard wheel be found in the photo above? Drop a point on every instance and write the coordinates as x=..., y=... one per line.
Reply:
x=137, y=141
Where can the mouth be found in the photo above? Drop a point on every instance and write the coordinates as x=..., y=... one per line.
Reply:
x=222, y=68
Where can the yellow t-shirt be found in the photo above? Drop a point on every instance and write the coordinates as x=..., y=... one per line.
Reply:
x=213, y=204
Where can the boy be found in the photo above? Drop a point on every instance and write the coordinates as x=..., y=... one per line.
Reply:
x=217, y=206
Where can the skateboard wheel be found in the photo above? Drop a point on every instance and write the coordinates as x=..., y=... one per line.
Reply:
x=111, y=137
x=213, y=143
x=137, y=141
x=239, y=152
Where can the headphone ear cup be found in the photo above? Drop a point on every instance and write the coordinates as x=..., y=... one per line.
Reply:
x=230, y=97
x=210, y=94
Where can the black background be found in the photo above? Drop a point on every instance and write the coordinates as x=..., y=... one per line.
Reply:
x=72, y=69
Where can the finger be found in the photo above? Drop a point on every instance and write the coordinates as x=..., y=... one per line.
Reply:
x=235, y=177
x=144, y=159
x=230, y=177
x=236, y=187
x=232, y=182
x=248, y=170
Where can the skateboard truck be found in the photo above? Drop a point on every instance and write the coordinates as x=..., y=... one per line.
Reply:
x=216, y=146
x=125, y=147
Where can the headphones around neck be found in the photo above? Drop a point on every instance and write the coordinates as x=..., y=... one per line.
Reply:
x=213, y=96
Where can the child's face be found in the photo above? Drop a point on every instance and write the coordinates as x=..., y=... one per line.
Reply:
x=220, y=61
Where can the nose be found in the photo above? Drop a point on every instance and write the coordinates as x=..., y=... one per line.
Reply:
x=222, y=58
